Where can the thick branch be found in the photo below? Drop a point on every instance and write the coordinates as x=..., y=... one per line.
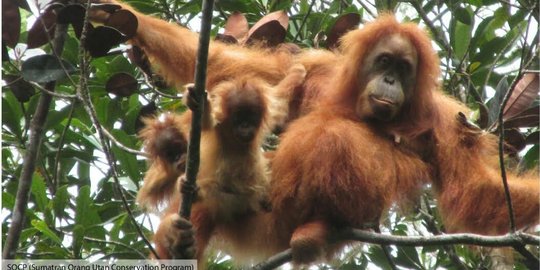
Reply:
x=32, y=152
x=516, y=239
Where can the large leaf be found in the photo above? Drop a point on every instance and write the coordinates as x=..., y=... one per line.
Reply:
x=73, y=14
x=11, y=115
x=343, y=24
x=271, y=33
x=236, y=26
x=45, y=68
x=41, y=226
x=86, y=214
x=39, y=192
x=61, y=201
x=523, y=95
x=121, y=84
x=102, y=39
x=266, y=26
x=495, y=102
x=11, y=22
x=527, y=118
x=21, y=89
x=124, y=21
x=461, y=38
x=43, y=29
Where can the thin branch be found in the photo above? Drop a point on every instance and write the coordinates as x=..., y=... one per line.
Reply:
x=299, y=30
x=61, y=145
x=29, y=165
x=193, y=156
x=511, y=43
x=143, y=256
x=501, y=139
x=366, y=8
x=51, y=93
x=439, y=37
x=84, y=96
x=120, y=145
x=179, y=96
x=518, y=238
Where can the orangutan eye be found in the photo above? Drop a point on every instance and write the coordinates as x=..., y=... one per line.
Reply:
x=383, y=60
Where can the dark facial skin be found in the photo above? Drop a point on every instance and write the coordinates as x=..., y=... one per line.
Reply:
x=245, y=110
x=389, y=77
x=172, y=147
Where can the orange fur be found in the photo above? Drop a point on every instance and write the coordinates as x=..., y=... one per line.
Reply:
x=165, y=141
x=469, y=187
x=467, y=183
x=233, y=174
x=332, y=169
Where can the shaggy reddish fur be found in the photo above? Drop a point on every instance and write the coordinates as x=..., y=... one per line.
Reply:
x=233, y=174
x=331, y=168
x=469, y=188
x=467, y=181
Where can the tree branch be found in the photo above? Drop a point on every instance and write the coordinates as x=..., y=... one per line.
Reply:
x=518, y=238
x=193, y=156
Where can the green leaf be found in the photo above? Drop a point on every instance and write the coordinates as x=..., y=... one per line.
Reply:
x=78, y=237
x=128, y=161
x=11, y=114
x=377, y=256
x=530, y=160
x=86, y=214
x=408, y=257
x=27, y=234
x=45, y=68
x=39, y=191
x=54, y=118
x=8, y=200
x=501, y=17
x=60, y=201
x=43, y=228
x=494, y=105
x=463, y=15
x=461, y=39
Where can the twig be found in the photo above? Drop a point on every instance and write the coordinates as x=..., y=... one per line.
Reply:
x=189, y=186
x=304, y=21
x=366, y=8
x=60, y=146
x=518, y=238
x=120, y=145
x=501, y=140
x=439, y=37
x=488, y=76
x=179, y=96
x=143, y=256
x=36, y=135
x=51, y=93
x=84, y=96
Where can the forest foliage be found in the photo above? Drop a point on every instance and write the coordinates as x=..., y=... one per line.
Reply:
x=75, y=208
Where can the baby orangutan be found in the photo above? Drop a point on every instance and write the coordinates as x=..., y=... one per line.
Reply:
x=233, y=174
